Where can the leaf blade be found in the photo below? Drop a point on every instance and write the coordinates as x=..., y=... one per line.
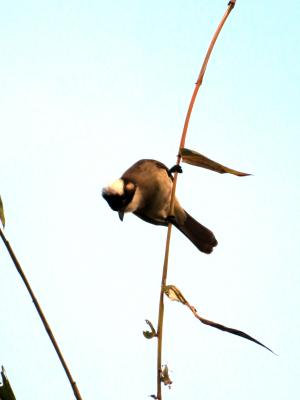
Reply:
x=192, y=157
x=6, y=392
x=2, y=216
x=175, y=294
x=165, y=377
x=150, y=334
x=233, y=331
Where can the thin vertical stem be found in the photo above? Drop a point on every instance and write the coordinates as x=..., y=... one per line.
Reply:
x=231, y=5
x=41, y=314
x=161, y=312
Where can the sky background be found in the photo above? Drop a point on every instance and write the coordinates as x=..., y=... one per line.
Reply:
x=86, y=89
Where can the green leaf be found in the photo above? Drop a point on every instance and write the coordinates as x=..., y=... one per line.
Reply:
x=6, y=392
x=150, y=334
x=165, y=377
x=2, y=217
x=174, y=294
x=199, y=160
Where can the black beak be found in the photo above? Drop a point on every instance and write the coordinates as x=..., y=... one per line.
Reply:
x=121, y=214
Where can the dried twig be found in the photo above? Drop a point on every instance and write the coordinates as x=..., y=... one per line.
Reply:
x=231, y=5
x=41, y=314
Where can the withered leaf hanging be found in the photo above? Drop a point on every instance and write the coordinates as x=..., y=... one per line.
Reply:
x=199, y=160
x=165, y=377
x=6, y=392
x=150, y=334
x=2, y=216
x=230, y=330
x=175, y=294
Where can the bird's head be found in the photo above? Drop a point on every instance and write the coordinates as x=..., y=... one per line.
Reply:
x=118, y=195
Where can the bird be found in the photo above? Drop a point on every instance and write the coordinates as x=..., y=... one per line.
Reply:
x=145, y=190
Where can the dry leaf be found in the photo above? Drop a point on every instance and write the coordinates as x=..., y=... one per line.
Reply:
x=174, y=294
x=199, y=160
x=230, y=330
x=2, y=216
x=6, y=392
x=165, y=378
x=150, y=334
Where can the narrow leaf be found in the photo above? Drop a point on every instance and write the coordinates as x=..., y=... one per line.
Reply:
x=174, y=294
x=2, y=217
x=231, y=330
x=150, y=334
x=199, y=160
x=6, y=392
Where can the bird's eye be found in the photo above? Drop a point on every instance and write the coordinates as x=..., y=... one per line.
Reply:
x=130, y=187
x=128, y=193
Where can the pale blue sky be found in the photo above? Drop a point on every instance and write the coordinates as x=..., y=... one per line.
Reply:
x=88, y=88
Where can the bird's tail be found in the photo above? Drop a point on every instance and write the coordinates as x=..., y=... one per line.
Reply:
x=198, y=234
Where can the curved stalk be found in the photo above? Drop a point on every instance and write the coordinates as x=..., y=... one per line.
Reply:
x=230, y=6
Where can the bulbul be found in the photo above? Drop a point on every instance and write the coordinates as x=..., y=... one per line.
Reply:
x=145, y=190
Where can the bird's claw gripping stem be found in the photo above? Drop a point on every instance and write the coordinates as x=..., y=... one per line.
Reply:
x=171, y=219
x=175, y=168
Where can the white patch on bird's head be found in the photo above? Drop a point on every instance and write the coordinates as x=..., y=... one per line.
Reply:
x=117, y=187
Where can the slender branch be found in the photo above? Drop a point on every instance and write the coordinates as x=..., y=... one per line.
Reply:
x=41, y=314
x=230, y=6
x=161, y=313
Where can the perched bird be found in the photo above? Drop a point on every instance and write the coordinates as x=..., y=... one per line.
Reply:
x=145, y=190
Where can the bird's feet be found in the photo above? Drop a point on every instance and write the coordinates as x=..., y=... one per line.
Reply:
x=171, y=219
x=175, y=168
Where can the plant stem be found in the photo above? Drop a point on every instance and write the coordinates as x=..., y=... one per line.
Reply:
x=230, y=6
x=41, y=314
x=161, y=313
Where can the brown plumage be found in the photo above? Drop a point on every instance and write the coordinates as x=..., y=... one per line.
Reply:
x=145, y=190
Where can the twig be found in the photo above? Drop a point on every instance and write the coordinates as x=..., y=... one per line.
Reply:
x=41, y=314
x=161, y=313
x=230, y=6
